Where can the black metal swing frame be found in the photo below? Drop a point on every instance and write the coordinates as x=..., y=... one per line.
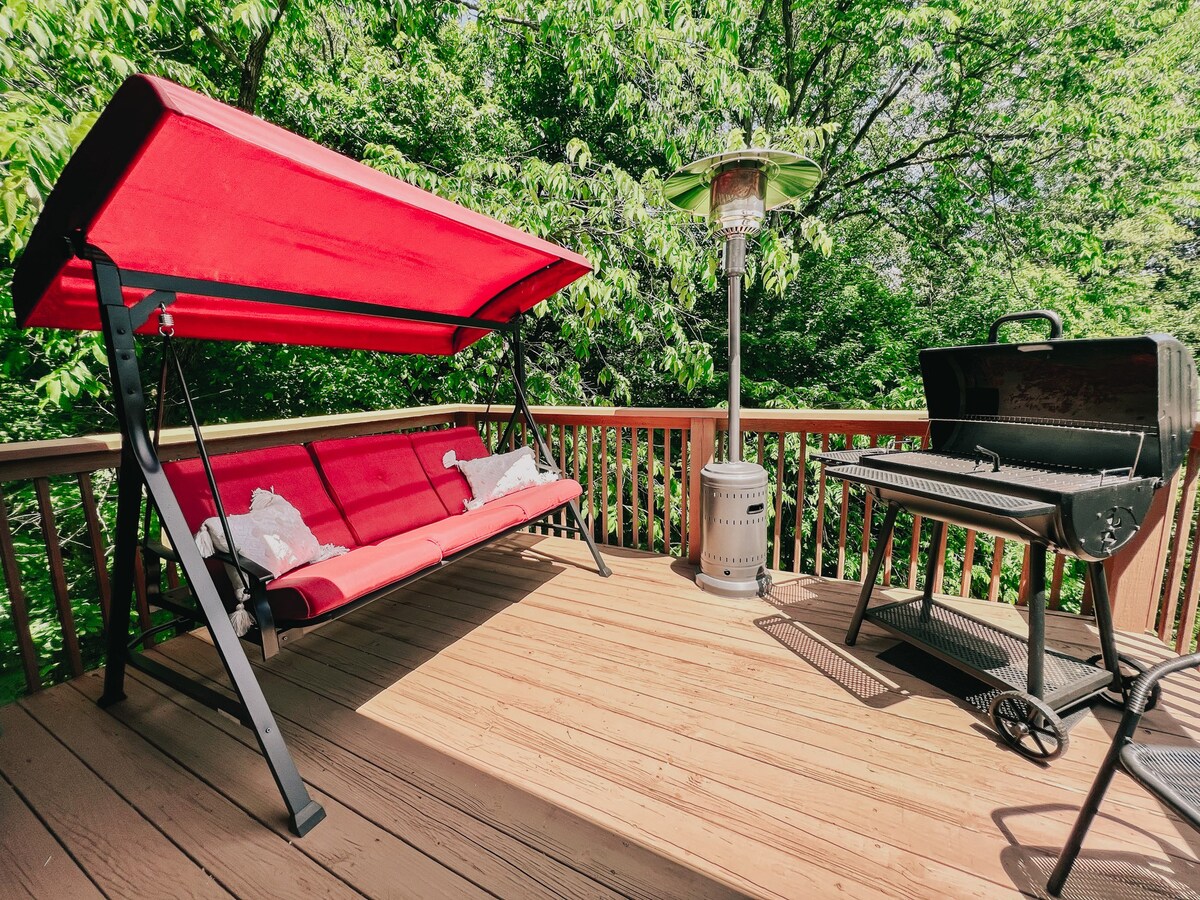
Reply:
x=141, y=469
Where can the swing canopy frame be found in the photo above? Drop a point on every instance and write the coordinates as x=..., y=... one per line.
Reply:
x=182, y=217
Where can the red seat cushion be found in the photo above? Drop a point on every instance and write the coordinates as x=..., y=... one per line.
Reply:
x=431, y=446
x=289, y=471
x=311, y=591
x=538, y=500
x=459, y=532
x=378, y=484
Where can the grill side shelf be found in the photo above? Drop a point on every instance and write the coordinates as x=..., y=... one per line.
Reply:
x=946, y=492
x=993, y=655
x=849, y=457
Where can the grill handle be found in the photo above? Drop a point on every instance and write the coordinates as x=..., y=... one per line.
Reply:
x=1049, y=315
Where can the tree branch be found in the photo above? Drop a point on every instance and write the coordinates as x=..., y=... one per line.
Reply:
x=217, y=41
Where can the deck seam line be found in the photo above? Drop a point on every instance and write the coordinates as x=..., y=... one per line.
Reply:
x=299, y=844
x=219, y=793
x=226, y=888
x=516, y=837
x=49, y=829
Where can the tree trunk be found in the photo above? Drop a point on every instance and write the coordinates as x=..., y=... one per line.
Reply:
x=252, y=68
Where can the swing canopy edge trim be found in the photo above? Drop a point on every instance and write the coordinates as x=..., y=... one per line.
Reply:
x=235, y=220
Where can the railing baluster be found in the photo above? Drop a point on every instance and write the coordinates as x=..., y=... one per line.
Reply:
x=1179, y=550
x=843, y=518
x=914, y=552
x=819, y=545
x=142, y=598
x=620, y=486
x=939, y=569
x=635, y=486
x=1187, y=615
x=801, y=467
x=18, y=607
x=591, y=484
x=562, y=466
x=666, y=490
x=58, y=576
x=780, y=453
x=1023, y=584
x=575, y=461
x=685, y=492
x=95, y=542
x=1056, y=579
x=650, y=489
x=993, y=592
x=604, y=484
x=868, y=503
x=964, y=585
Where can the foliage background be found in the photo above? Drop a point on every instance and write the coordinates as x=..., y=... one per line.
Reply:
x=980, y=157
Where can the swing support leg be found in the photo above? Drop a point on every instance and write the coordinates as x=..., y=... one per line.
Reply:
x=140, y=465
x=129, y=504
x=521, y=412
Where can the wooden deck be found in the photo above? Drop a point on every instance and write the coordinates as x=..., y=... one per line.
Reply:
x=517, y=727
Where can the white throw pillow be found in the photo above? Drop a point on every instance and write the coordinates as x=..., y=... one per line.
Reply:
x=272, y=534
x=492, y=477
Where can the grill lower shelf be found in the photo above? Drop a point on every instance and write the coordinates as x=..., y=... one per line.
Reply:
x=991, y=654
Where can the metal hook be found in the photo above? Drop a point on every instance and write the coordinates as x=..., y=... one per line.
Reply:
x=166, y=321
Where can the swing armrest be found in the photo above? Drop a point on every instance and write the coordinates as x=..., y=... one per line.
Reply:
x=253, y=569
x=162, y=551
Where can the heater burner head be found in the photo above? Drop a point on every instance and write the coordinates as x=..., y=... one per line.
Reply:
x=734, y=190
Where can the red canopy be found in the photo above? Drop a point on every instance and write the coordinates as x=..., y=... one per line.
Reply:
x=173, y=183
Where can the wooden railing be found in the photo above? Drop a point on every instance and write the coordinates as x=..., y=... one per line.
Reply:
x=640, y=471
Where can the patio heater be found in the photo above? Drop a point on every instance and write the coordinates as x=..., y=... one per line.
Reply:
x=734, y=191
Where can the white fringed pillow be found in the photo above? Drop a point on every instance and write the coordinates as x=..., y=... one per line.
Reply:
x=272, y=534
x=493, y=477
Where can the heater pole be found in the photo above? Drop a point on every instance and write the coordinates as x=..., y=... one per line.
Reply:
x=735, y=266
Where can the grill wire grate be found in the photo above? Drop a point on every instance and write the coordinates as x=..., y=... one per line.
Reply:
x=947, y=491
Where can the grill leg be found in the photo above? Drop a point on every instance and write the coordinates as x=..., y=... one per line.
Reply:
x=1104, y=622
x=881, y=541
x=930, y=567
x=1037, y=620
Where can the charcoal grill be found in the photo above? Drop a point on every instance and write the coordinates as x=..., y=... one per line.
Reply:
x=1058, y=443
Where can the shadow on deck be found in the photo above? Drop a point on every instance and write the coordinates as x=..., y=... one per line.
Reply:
x=517, y=727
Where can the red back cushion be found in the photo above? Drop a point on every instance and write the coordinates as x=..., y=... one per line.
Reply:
x=289, y=471
x=378, y=484
x=450, y=484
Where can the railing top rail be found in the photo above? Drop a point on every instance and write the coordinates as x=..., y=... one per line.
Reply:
x=75, y=454
x=26, y=459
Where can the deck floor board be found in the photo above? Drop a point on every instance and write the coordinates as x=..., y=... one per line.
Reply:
x=515, y=726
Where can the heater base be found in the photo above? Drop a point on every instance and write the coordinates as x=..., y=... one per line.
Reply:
x=732, y=588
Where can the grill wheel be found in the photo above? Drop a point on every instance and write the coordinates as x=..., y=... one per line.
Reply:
x=1029, y=726
x=1137, y=669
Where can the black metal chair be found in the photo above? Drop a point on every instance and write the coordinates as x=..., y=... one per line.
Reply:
x=1170, y=773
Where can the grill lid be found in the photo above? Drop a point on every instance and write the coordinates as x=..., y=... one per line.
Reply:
x=1092, y=404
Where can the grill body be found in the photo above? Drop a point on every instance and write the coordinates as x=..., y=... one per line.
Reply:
x=1062, y=443
x=733, y=528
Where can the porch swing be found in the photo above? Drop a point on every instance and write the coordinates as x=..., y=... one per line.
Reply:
x=181, y=217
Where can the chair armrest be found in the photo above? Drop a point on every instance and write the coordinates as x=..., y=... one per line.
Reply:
x=1142, y=687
